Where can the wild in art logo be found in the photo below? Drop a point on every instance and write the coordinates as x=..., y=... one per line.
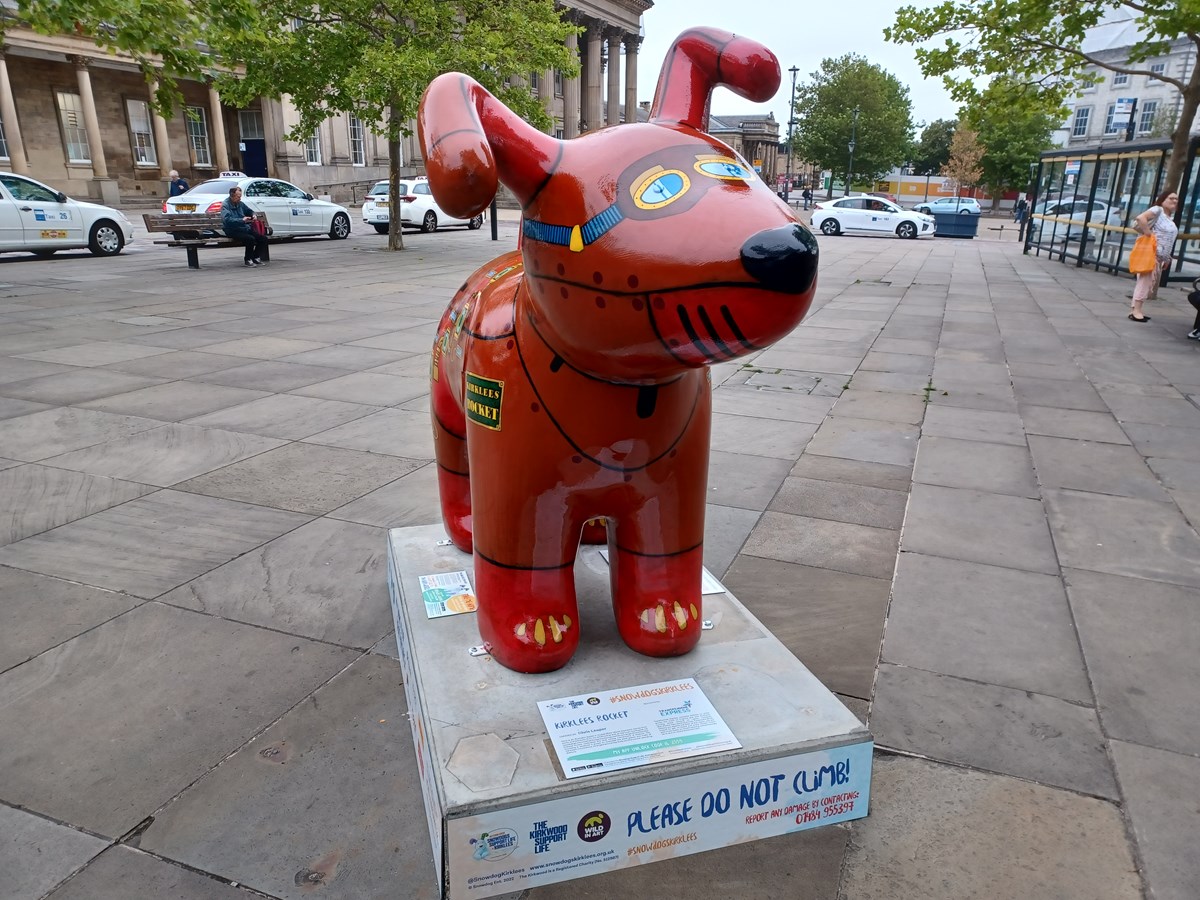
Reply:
x=594, y=826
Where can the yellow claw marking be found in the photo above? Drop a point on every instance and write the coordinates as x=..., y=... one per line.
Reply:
x=555, y=631
x=660, y=620
x=645, y=617
x=566, y=622
x=539, y=633
x=520, y=630
x=680, y=615
x=695, y=612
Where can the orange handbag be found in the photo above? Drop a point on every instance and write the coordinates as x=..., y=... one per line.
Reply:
x=1143, y=258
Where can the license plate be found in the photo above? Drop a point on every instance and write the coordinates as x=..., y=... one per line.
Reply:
x=185, y=207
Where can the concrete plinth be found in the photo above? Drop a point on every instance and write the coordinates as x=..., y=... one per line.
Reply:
x=502, y=816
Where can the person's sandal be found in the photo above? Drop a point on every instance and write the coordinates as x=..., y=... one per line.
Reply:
x=1136, y=319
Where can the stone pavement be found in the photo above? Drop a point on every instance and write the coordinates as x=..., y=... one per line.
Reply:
x=964, y=492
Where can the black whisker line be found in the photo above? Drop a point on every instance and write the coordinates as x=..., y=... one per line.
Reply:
x=737, y=332
x=712, y=331
x=687, y=326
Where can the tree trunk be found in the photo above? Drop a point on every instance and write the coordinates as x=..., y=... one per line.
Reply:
x=1182, y=134
x=395, y=239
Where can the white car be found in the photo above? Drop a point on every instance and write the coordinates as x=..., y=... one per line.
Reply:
x=961, y=206
x=290, y=211
x=872, y=215
x=37, y=218
x=418, y=209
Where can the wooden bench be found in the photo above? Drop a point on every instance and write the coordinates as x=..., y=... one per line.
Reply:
x=195, y=230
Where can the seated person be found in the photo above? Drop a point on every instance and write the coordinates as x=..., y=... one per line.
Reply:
x=236, y=217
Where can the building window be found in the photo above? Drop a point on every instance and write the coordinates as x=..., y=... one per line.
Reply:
x=535, y=82
x=1110, y=127
x=70, y=114
x=140, y=133
x=250, y=124
x=197, y=131
x=1119, y=79
x=558, y=84
x=312, y=150
x=3, y=143
x=1158, y=68
x=1082, y=116
x=358, y=152
x=1146, y=119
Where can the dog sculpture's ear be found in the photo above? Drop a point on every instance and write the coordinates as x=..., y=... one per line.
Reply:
x=699, y=60
x=471, y=140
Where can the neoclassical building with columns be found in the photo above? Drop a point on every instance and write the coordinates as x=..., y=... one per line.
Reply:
x=80, y=118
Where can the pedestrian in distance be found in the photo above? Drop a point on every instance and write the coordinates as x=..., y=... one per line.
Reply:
x=236, y=219
x=1020, y=209
x=1194, y=299
x=1157, y=221
x=807, y=195
x=178, y=184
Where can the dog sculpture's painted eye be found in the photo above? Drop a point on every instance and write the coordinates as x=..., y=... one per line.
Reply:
x=659, y=187
x=722, y=167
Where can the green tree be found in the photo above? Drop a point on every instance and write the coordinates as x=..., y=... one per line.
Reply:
x=932, y=149
x=825, y=111
x=1014, y=125
x=373, y=58
x=1041, y=41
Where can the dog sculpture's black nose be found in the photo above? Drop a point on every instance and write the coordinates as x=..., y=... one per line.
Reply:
x=783, y=259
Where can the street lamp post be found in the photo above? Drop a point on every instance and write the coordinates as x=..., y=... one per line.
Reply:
x=853, y=136
x=791, y=124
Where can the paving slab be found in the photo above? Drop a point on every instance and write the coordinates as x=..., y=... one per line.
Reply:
x=326, y=580
x=1058, y=394
x=777, y=439
x=973, y=425
x=855, y=549
x=397, y=432
x=10, y=408
x=1096, y=467
x=997, y=729
x=726, y=529
x=122, y=873
x=16, y=369
x=307, y=478
x=173, y=401
x=151, y=699
x=1165, y=440
x=39, y=435
x=37, y=498
x=841, y=502
x=1173, y=410
x=748, y=482
x=1072, y=423
x=327, y=799
x=368, y=388
x=274, y=375
x=852, y=471
x=867, y=440
x=979, y=526
x=939, y=832
x=177, y=364
x=285, y=416
x=262, y=347
x=1124, y=536
x=410, y=500
x=977, y=465
x=149, y=545
x=831, y=621
x=76, y=386
x=1163, y=805
x=973, y=621
x=1139, y=637
x=167, y=455
x=348, y=359
x=36, y=854
x=888, y=406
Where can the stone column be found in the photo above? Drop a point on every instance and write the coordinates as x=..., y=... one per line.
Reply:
x=162, y=143
x=12, y=128
x=221, y=143
x=593, y=115
x=612, y=112
x=91, y=122
x=632, y=42
x=571, y=94
x=546, y=95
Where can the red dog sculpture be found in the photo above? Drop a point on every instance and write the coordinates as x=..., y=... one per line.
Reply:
x=569, y=378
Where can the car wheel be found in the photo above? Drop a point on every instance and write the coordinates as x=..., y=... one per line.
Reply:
x=380, y=227
x=907, y=230
x=44, y=254
x=476, y=223
x=831, y=227
x=965, y=212
x=340, y=229
x=429, y=223
x=105, y=239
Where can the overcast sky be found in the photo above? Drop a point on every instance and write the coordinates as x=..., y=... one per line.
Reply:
x=801, y=33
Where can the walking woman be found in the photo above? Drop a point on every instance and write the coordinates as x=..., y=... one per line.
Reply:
x=1158, y=220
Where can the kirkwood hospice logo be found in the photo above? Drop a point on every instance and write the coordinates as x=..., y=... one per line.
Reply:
x=594, y=826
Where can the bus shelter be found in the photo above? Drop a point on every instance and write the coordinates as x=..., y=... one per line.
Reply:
x=1086, y=198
